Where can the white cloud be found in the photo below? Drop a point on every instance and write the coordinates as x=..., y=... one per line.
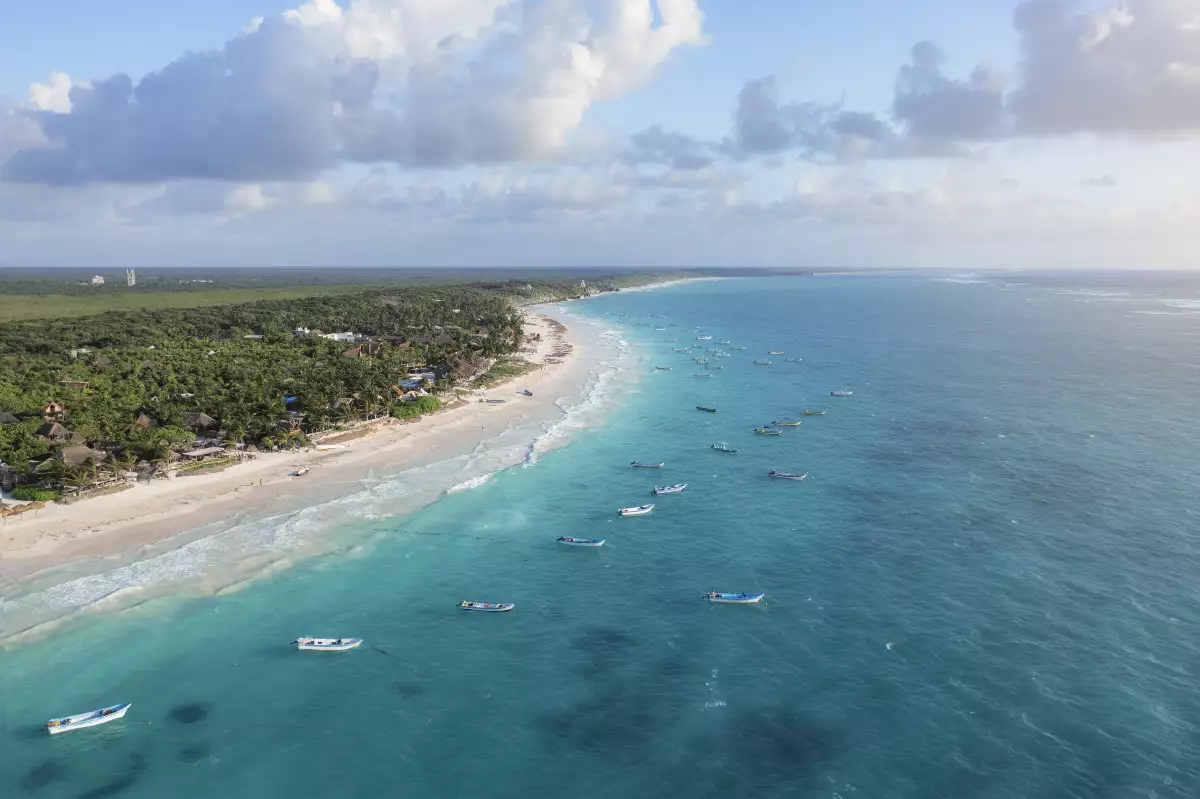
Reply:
x=53, y=96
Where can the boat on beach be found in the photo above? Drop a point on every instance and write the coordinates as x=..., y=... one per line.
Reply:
x=733, y=599
x=841, y=393
x=813, y=413
x=763, y=431
x=640, y=510
x=706, y=410
x=721, y=446
x=298, y=472
x=90, y=719
x=675, y=489
x=527, y=392
x=787, y=475
x=307, y=644
x=640, y=465
x=497, y=607
x=581, y=542
x=493, y=401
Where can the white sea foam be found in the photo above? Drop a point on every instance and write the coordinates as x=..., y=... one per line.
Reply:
x=474, y=482
x=965, y=278
x=1189, y=305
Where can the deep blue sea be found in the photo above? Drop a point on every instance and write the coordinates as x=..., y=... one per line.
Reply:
x=987, y=587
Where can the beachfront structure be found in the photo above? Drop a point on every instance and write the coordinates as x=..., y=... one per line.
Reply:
x=97, y=280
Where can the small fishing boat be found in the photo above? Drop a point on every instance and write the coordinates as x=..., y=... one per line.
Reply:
x=640, y=465
x=762, y=363
x=89, y=719
x=663, y=368
x=733, y=599
x=841, y=393
x=721, y=446
x=703, y=338
x=706, y=410
x=498, y=607
x=782, y=423
x=640, y=510
x=675, y=489
x=298, y=473
x=581, y=542
x=787, y=475
x=814, y=413
x=307, y=644
x=793, y=360
x=683, y=349
x=704, y=375
x=527, y=392
x=659, y=329
x=724, y=342
x=775, y=352
x=739, y=349
x=762, y=431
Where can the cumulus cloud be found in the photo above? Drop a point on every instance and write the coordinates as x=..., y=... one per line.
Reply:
x=932, y=106
x=415, y=82
x=1129, y=68
x=654, y=145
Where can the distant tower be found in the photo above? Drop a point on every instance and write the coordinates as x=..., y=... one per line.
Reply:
x=130, y=277
x=583, y=284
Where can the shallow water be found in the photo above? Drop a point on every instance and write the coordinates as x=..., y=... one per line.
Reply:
x=985, y=588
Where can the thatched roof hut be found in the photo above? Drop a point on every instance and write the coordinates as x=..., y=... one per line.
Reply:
x=54, y=431
x=8, y=418
x=199, y=420
x=78, y=454
x=143, y=422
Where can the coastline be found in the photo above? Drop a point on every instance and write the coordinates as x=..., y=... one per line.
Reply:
x=144, y=515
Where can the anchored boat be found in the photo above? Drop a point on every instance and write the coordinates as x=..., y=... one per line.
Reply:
x=307, y=644
x=640, y=465
x=841, y=393
x=581, y=542
x=703, y=338
x=498, y=607
x=733, y=599
x=787, y=475
x=762, y=431
x=721, y=446
x=775, y=352
x=89, y=719
x=706, y=410
x=724, y=342
x=782, y=423
x=814, y=413
x=762, y=363
x=675, y=489
x=640, y=510
x=704, y=375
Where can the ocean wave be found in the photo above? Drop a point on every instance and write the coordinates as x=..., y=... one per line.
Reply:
x=966, y=278
x=474, y=482
x=1188, y=305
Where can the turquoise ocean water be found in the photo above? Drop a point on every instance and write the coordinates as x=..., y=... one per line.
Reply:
x=986, y=588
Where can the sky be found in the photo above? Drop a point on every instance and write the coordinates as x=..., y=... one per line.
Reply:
x=988, y=134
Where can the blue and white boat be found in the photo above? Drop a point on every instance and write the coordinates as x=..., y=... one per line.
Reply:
x=724, y=342
x=640, y=465
x=581, y=542
x=703, y=375
x=703, y=338
x=675, y=489
x=89, y=719
x=841, y=393
x=527, y=392
x=307, y=644
x=787, y=475
x=733, y=599
x=640, y=510
x=484, y=607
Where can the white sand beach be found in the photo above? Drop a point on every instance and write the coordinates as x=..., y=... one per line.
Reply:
x=146, y=513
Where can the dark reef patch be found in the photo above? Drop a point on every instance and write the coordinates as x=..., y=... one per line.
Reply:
x=189, y=712
x=43, y=774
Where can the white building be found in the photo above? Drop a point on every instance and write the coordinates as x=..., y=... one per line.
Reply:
x=347, y=337
x=97, y=280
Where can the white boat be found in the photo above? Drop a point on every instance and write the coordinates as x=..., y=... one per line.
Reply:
x=724, y=342
x=581, y=542
x=496, y=607
x=738, y=349
x=793, y=360
x=721, y=446
x=298, y=473
x=762, y=363
x=704, y=375
x=775, y=352
x=89, y=719
x=733, y=599
x=841, y=393
x=659, y=329
x=675, y=489
x=703, y=338
x=640, y=465
x=307, y=644
x=640, y=510
x=787, y=475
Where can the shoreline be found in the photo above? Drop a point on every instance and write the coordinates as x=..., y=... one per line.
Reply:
x=136, y=519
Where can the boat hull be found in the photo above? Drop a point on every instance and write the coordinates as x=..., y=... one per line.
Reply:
x=584, y=542
x=640, y=511
x=503, y=607
x=735, y=599
x=670, y=489
x=328, y=644
x=85, y=720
